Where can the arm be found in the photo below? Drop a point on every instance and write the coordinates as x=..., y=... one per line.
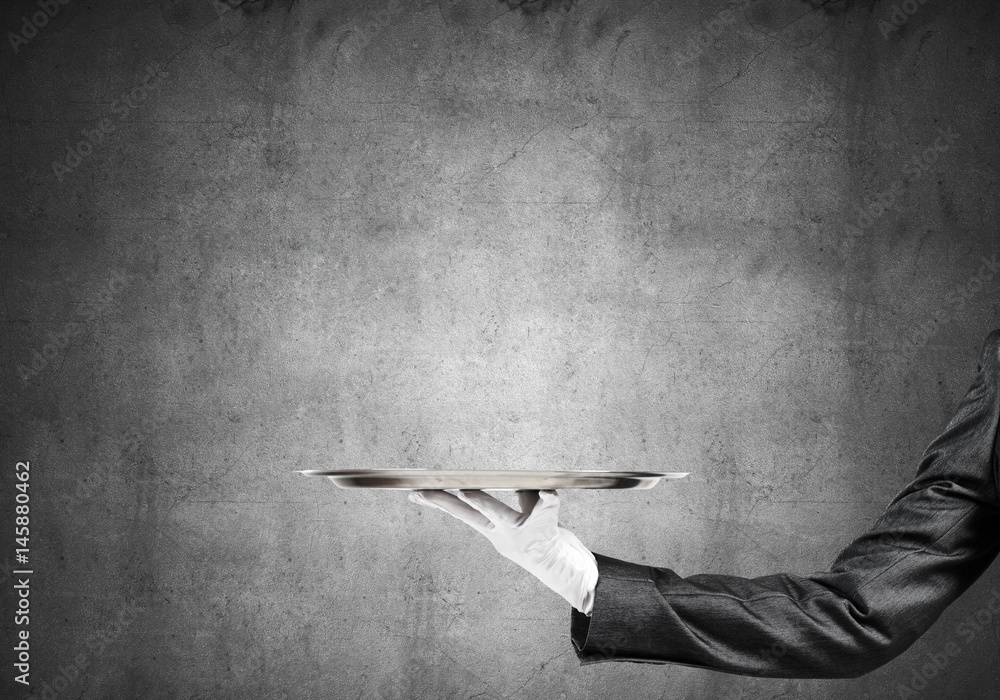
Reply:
x=881, y=593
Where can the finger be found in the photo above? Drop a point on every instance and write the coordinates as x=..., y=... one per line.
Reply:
x=451, y=505
x=490, y=507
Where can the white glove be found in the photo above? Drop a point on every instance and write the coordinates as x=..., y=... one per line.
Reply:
x=532, y=539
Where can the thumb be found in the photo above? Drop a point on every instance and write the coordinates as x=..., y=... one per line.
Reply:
x=547, y=500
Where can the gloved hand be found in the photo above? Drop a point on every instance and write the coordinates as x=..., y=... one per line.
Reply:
x=531, y=539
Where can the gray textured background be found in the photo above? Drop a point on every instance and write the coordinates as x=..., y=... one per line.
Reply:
x=464, y=235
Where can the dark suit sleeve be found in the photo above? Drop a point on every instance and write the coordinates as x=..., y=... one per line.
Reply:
x=880, y=594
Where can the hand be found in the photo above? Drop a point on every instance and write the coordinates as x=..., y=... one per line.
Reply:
x=532, y=539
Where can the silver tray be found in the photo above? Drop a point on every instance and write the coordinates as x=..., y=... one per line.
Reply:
x=505, y=480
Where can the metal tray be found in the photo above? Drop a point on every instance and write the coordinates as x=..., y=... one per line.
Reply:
x=505, y=480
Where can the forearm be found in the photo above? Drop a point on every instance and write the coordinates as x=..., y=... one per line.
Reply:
x=779, y=625
x=840, y=623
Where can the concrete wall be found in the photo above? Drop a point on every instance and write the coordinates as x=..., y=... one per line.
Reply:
x=462, y=234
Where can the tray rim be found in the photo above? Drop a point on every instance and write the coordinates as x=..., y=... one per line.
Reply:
x=490, y=472
x=491, y=479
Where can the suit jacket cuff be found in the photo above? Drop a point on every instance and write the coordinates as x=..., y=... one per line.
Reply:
x=623, y=623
